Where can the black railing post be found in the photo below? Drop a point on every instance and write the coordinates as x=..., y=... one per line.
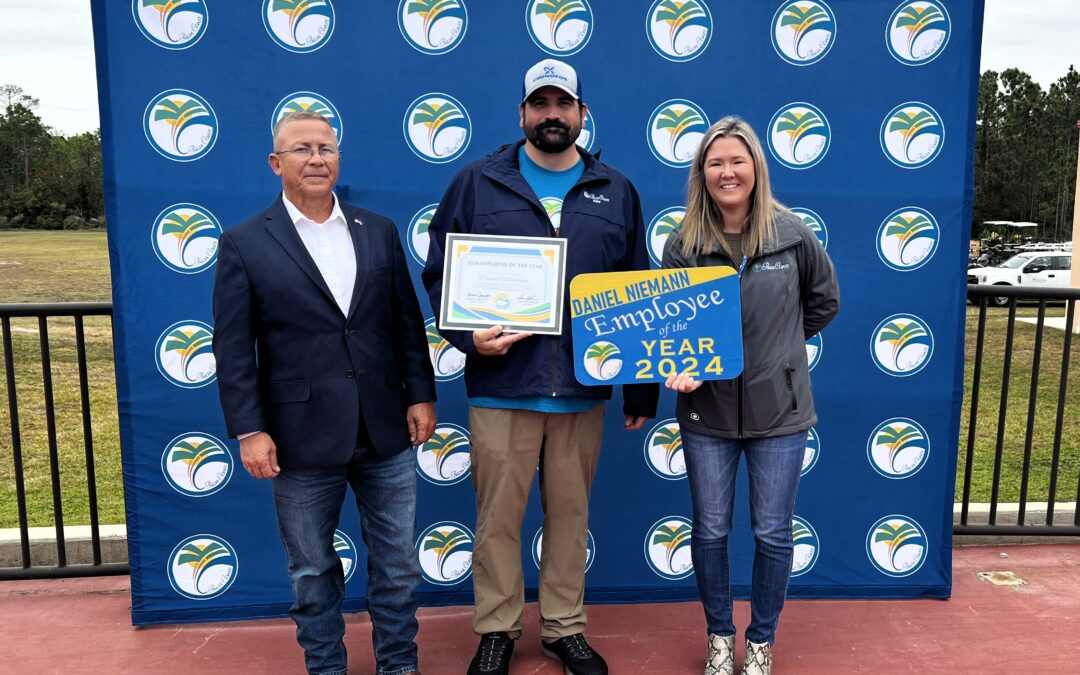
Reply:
x=54, y=450
x=88, y=438
x=16, y=441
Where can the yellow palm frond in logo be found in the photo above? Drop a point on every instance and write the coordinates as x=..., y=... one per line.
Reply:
x=315, y=107
x=446, y=542
x=424, y=222
x=196, y=455
x=902, y=334
x=189, y=344
x=340, y=544
x=668, y=224
x=896, y=537
x=678, y=124
x=911, y=125
x=679, y=16
x=907, y=229
x=299, y=9
x=437, y=118
x=433, y=10
x=179, y=115
x=187, y=229
x=802, y=18
x=169, y=8
x=917, y=21
x=799, y=125
x=202, y=558
x=558, y=12
x=672, y=538
x=898, y=438
x=443, y=444
x=671, y=441
x=800, y=531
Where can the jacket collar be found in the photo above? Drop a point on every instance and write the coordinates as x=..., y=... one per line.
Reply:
x=503, y=166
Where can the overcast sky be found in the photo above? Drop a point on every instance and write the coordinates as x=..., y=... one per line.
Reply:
x=48, y=50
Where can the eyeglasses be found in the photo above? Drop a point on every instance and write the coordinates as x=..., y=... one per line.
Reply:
x=305, y=153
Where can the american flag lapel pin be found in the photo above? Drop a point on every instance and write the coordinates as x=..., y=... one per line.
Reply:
x=358, y=221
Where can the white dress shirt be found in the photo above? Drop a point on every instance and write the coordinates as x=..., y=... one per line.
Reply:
x=331, y=247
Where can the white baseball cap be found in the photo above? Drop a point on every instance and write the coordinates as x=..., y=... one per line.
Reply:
x=551, y=73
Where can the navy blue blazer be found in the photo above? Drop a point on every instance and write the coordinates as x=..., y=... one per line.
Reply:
x=290, y=363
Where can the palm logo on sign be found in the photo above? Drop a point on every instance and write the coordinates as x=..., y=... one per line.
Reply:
x=901, y=335
x=908, y=229
x=187, y=229
x=800, y=531
x=601, y=354
x=667, y=225
x=445, y=543
x=438, y=118
x=802, y=20
x=799, y=126
x=189, y=344
x=912, y=125
x=559, y=12
x=680, y=16
x=438, y=344
x=340, y=544
x=196, y=455
x=678, y=124
x=917, y=21
x=314, y=106
x=443, y=444
x=433, y=10
x=300, y=9
x=170, y=8
x=896, y=537
x=899, y=438
x=202, y=558
x=671, y=441
x=180, y=115
x=672, y=538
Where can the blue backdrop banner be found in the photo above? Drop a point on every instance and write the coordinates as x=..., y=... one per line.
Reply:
x=866, y=107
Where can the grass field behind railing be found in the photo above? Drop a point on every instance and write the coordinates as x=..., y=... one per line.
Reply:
x=73, y=267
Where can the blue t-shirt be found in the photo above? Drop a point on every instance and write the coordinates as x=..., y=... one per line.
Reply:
x=551, y=187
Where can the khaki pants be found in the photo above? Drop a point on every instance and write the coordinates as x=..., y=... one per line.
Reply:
x=506, y=445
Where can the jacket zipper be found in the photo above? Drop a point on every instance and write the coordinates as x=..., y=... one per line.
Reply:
x=554, y=364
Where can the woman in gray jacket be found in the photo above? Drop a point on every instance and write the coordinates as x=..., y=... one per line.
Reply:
x=789, y=293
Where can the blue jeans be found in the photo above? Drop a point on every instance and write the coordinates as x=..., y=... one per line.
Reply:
x=308, y=504
x=773, y=465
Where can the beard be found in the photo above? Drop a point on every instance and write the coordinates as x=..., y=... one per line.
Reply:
x=552, y=136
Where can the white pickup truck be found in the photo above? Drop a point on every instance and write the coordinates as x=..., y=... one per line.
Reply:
x=1036, y=269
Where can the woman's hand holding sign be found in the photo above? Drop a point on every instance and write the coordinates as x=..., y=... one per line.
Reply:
x=682, y=383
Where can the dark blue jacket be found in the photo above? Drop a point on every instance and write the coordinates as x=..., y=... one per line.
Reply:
x=602, y=222
x=290, y=363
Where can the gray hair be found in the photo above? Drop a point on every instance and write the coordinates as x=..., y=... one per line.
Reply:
x=297, y=116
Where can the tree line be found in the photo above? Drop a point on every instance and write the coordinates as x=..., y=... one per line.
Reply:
x=1025, y=160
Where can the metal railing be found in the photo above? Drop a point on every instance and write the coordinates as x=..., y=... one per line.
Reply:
x=43, y=312
x=1023, y=521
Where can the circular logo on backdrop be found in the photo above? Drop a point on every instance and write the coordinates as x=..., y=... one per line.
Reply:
x=171, y=24
x=664, y=450
x=816, y=224
x=447, y=361
x=185, y=238
x=184, y=354
x=559, y=27
x=813, y=451
x=437, y=128
x=675, y=131
x=679, y=31
x=918, y=32
x=538, y=546
x=180, y=125
x=814, y=347
x=445, y=553
x=667, y=548
x=908, y=238
x=803, y=32
x=202, y=567
x=299, y=26
x=898, y=448
x=444, y=458
x=346, y=551
x=807, y=547
x=587, y=138
x=309, y=101
x=603, y=360
x=196, y=464
x=902, y=345
x=553, y=209
x=912, y=135
x=662, y=226
x=896, y=546
x=799, y=135
x=419, y=240
x=432, y=26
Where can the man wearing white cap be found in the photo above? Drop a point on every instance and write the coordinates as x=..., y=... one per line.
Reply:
x=525, y=406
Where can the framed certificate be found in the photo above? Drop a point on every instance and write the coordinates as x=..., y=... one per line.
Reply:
x=515, y=282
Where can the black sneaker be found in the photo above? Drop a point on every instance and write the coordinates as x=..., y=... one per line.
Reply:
x=577, y=657
x=492, y=655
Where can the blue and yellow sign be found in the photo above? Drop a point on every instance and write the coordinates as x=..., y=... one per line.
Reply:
x=647, y=326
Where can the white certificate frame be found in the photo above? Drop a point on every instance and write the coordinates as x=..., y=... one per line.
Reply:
x=475, y=265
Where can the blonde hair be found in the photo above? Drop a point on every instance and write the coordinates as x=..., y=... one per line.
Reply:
x=703, y=225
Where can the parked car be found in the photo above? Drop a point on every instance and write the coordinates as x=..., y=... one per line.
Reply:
x=1035, y=269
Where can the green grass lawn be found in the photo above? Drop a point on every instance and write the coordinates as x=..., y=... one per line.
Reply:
x=73, y=266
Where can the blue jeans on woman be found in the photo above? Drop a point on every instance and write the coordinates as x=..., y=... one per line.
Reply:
x=773, y=465
x=308, y=504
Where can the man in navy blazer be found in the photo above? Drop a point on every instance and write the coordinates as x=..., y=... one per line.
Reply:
x=324, y=376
